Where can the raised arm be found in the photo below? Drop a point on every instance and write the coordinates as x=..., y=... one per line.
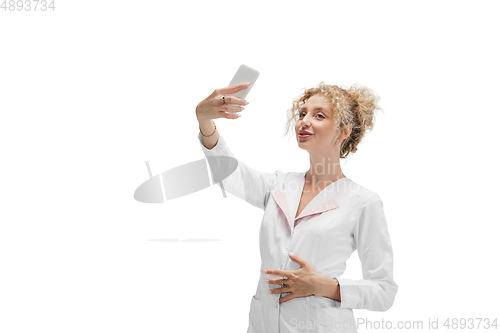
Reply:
x=217, y=106
x=245, y=182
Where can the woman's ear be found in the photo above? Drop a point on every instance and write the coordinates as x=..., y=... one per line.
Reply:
x=347, y=131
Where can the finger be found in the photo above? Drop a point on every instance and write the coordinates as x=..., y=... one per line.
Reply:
x=234, y=100
x=233, y=89
x=274, y=281
x=277, y=281
x=230, y=108
x=234, y=108
x=277, y=272
x=228, y=115
x=279, y=290
x=286, y=298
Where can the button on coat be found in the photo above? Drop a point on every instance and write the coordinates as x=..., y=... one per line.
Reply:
x=340, y=219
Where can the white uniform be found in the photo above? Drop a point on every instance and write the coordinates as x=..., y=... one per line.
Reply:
x=343, y=217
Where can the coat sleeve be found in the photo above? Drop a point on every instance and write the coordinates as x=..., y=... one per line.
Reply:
x=377, y=290
x=245, y=183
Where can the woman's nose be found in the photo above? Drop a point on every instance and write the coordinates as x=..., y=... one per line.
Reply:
x=304, y=123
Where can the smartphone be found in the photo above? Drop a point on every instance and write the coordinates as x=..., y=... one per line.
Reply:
x=243, y=74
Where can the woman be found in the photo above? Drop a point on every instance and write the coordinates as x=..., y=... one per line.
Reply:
x=314, y=220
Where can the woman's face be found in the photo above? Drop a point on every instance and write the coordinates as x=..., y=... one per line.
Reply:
x=316, y=117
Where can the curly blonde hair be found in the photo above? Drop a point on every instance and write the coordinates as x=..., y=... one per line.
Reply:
x=354, y=105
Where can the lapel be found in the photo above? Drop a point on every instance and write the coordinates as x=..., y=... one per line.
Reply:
x=288, y=199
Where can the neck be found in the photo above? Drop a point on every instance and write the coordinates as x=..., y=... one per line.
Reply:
x=323, y=169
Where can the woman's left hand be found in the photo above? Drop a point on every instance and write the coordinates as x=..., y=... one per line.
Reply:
x=301, y=282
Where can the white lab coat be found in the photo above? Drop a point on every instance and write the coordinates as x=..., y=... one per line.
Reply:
x=343, y=217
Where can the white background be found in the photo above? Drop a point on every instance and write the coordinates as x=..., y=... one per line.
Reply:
x=93, y=89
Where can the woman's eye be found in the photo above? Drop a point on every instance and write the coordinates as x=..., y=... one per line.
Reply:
x=302, y=114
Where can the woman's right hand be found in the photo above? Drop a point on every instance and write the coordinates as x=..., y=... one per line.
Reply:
x=213, y=107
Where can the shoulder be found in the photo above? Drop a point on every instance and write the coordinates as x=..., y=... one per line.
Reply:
x=369, y=210
x=360, y=194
